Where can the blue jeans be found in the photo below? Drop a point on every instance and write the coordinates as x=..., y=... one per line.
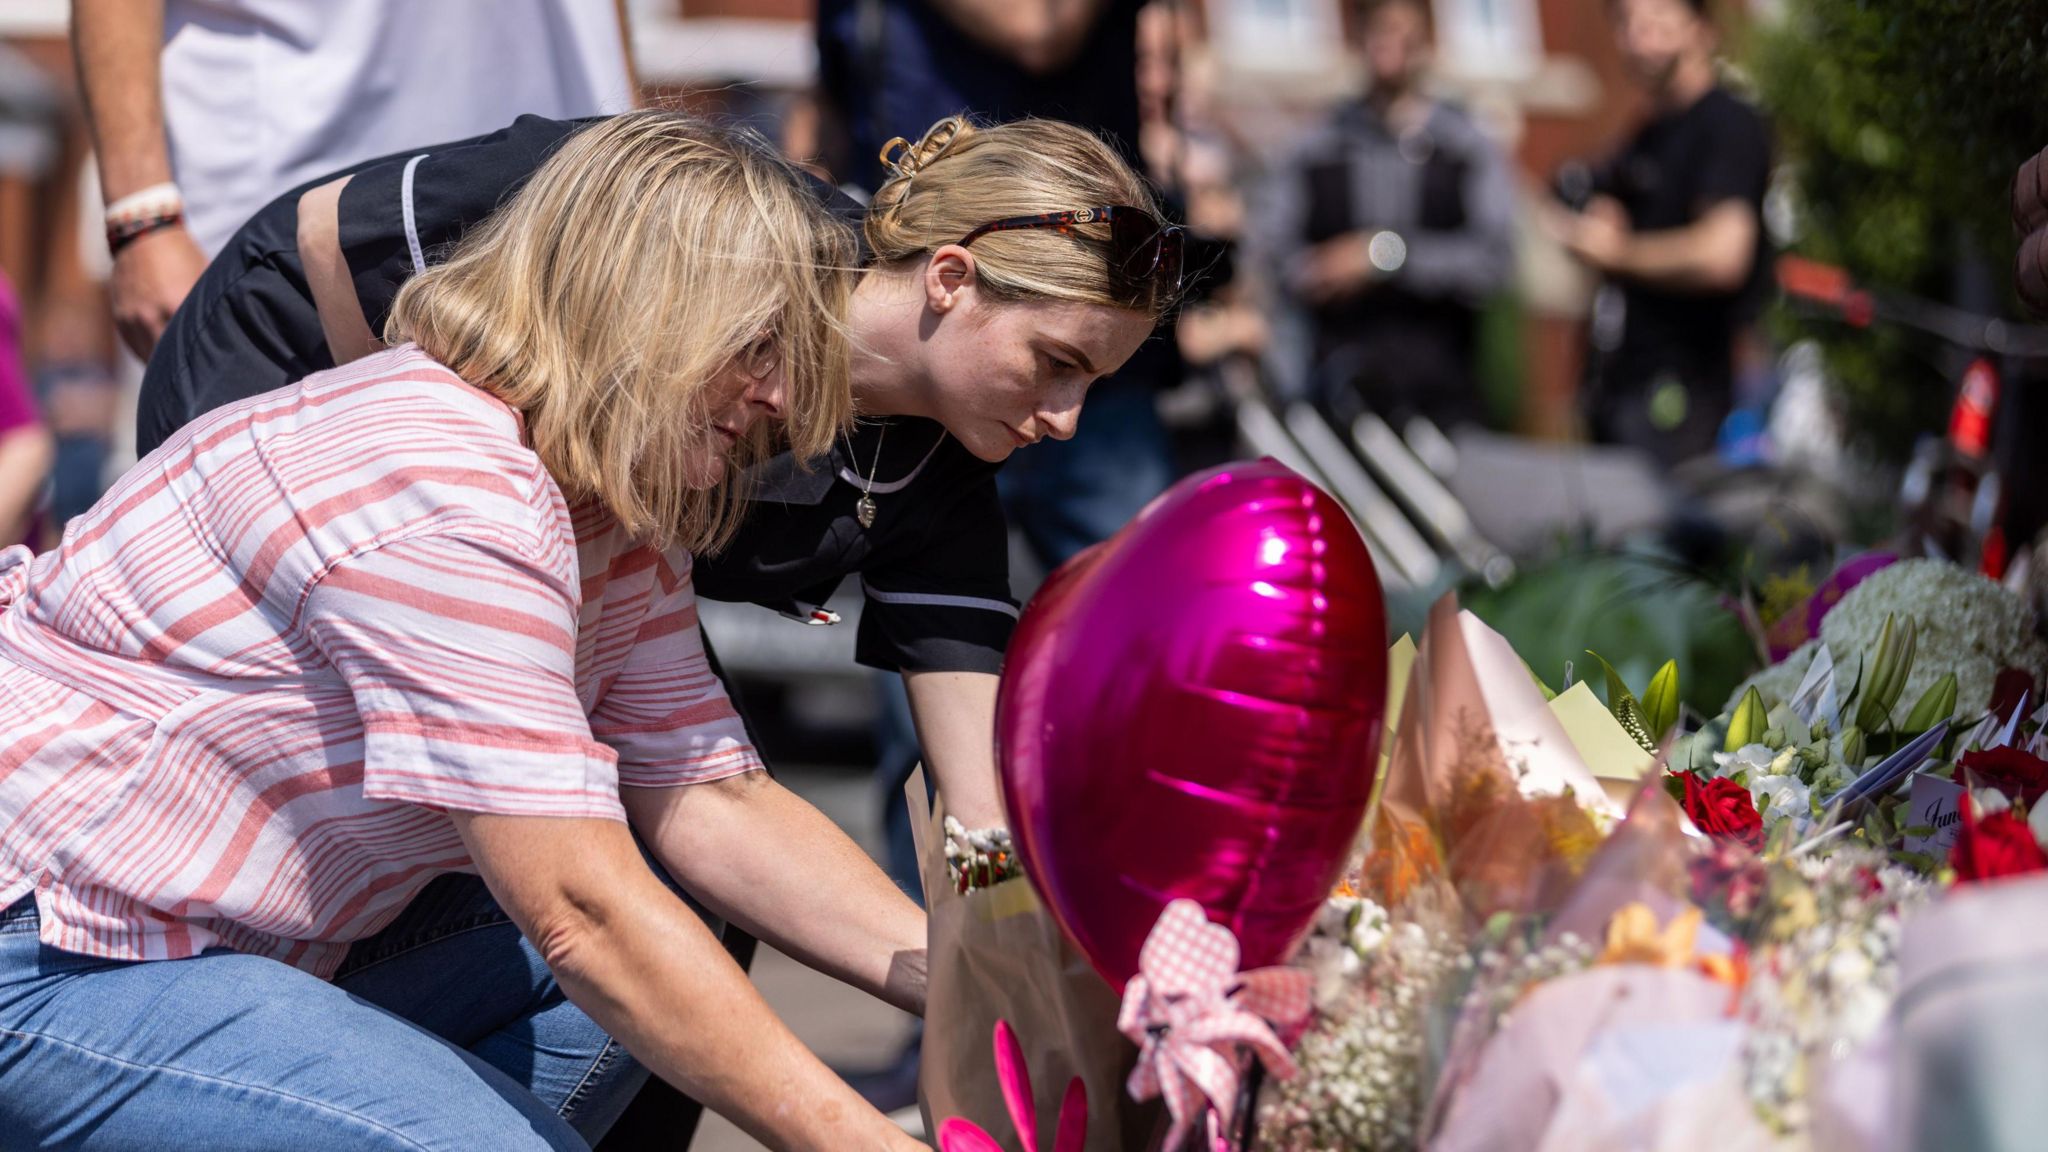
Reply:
x=444, y=1031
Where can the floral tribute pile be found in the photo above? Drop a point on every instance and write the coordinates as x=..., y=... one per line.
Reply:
x=1661, y=930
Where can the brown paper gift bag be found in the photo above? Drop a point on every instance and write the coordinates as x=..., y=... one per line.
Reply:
x=996, y=954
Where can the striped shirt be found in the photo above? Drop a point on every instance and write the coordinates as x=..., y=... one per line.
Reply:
x=239, y=699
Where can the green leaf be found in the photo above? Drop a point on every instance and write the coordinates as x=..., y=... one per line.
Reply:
x=1630, y=717
x=1936, y=704
x=1660, y=701
x=1548, y=694
x=1617, y=688
x=1889, y=670
x=1747, y=725
x=1674, y=786
x=1854, y=748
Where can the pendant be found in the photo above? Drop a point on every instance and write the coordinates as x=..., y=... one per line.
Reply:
x=865, y=511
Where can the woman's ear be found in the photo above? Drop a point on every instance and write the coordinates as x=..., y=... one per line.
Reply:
x=948, y=276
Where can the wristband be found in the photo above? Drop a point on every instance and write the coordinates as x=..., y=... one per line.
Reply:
x=137, y=214
x=155, y=200
x=121, y=235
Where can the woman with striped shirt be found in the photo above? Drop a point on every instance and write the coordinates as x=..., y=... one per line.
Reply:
x=432, y=612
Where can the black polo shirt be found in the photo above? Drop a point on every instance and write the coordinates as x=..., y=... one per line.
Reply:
x=934, y=567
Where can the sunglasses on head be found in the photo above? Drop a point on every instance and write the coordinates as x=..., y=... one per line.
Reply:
x=1145, y=255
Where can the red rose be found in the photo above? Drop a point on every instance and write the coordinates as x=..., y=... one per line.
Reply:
x=2021, y=778
x=1998, y=845
x=1723, y=809
x=2012, y=688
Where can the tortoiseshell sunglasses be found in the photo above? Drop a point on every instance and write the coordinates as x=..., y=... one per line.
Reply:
x=1144, y=254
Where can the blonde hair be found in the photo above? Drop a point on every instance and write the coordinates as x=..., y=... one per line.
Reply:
x=959, y=176
x=603, y=299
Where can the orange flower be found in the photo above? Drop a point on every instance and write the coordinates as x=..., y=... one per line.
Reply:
x=1403, y=854
x=1633, y=937
x=1731, y=970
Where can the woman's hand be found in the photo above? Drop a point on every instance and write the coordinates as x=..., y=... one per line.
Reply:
x=756, y=854
x=630, y=954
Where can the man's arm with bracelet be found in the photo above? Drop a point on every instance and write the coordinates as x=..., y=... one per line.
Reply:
x=116, y=44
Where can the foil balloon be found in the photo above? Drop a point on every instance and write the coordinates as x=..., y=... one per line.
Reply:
x=1193, y=709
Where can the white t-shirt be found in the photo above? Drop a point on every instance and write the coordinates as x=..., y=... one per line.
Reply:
x=263, y=95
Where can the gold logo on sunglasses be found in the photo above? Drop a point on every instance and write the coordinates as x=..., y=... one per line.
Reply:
x=1083, y=215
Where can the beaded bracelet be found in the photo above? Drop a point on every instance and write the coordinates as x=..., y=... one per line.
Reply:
x=126, y=232
x=979, y=858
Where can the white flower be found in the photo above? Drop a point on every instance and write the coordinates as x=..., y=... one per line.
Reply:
x=1754, y=759
x=1335, y=917
x=1778, y=797
x=1863, y=1011
x=1333, y=966
x=1967, y=624
x=1368, y=928
x=1849, y=968
x=1989, y=802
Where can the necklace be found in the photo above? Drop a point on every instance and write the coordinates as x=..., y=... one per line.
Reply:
x=864, y=510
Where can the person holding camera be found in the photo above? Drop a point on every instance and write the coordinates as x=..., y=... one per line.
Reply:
x=1673, y=224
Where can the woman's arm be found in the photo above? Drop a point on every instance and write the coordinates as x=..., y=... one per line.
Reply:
x=327, y=275
x=738, y=841
x=25, y=455
x=758, y=855
x=955, y=713
x=647, y=970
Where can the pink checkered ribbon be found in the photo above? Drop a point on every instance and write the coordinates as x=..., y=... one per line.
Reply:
x=1193, y=1014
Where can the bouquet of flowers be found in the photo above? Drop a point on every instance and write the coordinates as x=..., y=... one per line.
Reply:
x=1911, y=668
x=1485, y=811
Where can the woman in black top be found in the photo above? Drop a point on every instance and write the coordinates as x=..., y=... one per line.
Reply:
x=963, y=353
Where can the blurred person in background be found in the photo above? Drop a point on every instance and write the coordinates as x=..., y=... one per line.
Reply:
x=202, y=111
x=1390, y=223
x=1673, y=223
x=26, y=447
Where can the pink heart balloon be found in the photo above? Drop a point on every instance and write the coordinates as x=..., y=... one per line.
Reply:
x=1192, y=708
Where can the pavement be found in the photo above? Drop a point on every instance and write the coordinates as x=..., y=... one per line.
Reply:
x=848, y=1029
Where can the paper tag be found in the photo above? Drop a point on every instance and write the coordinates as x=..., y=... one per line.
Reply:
x=1400, y=662
x=1815, y=697
x=1935, y=804
x=1609, y=751
x=2012, y=726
